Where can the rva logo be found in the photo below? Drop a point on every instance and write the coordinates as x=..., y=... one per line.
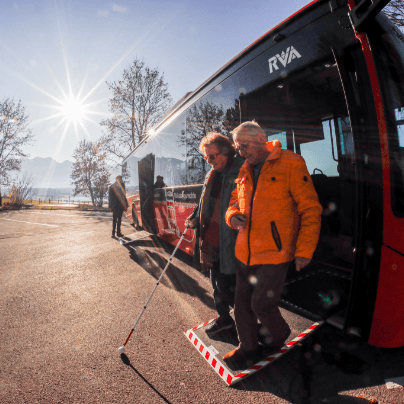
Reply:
x=284, y=58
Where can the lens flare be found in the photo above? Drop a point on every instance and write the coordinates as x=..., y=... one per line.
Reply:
x=73, y=110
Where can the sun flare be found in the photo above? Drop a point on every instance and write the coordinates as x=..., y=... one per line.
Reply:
x=73, y=110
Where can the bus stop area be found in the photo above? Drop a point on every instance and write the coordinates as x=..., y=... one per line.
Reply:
x=69, y=295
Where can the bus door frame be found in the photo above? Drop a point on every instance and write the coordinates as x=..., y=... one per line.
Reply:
x=368, y=227
x=146, y=192
x=387, y=329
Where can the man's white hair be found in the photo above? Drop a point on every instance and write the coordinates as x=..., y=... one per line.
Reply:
x=250, y=127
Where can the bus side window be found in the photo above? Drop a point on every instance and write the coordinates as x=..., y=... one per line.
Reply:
x=398, y=160
x=333, y=173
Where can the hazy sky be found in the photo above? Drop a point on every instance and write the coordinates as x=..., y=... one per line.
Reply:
x=56, y=49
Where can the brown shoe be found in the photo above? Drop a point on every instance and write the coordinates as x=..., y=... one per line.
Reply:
x=241, y=356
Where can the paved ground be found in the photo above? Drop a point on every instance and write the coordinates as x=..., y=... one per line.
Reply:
x=69, y=295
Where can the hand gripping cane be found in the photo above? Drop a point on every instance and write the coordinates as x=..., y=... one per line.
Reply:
x=121, y=350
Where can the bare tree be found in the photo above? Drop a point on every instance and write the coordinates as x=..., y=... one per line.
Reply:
x=395, y=11
x=14, y=134
x=138, y=103
x=202, y=118
x=232, y=119
x=90, y=173
x=21, y=190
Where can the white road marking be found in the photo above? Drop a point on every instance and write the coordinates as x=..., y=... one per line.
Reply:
x=73, y=215
x=43, y=213
x=40, y=224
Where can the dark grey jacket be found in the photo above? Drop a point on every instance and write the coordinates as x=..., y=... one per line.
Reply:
x=117, y=198
x=227, y=235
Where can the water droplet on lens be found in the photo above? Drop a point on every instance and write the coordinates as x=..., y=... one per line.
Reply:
x=370, y=251
x=253, y=280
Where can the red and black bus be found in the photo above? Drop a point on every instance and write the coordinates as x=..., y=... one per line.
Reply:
x=328, y=82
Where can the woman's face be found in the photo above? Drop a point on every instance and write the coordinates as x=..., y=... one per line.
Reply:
x=215, y=158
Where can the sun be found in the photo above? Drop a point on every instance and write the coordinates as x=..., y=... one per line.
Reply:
x=73, y=110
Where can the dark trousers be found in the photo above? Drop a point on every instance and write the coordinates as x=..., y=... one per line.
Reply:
x=224, y=287
x=258, y=291
x=116, y=222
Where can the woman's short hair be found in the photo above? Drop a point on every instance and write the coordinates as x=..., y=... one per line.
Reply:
x=223, y=143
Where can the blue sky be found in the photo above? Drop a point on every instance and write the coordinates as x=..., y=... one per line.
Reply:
x=53, y=49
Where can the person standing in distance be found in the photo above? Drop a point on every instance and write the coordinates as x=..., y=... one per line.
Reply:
x=117, y=203
x=276, y=210
x=216, y=239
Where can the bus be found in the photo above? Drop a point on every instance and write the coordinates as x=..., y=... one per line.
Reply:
x=328, y=82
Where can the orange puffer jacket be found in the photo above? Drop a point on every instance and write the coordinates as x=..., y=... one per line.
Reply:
x=283, y=212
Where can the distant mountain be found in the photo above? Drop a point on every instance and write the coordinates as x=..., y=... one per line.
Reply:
x=47, y=172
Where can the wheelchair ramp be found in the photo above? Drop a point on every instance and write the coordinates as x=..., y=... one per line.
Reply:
x=213, y=350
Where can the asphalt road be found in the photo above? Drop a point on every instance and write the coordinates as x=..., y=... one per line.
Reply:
x=69, y=295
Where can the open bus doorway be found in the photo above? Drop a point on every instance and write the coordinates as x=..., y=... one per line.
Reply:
x=307, y=112
x=146, y=181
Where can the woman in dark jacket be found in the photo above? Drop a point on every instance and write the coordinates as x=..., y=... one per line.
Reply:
x=216, y=238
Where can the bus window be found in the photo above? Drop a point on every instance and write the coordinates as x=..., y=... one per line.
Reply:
x=307, y=112
x=399, y=113
x=205, y=116
x=170, y=156
x=199, y=122
x=325, y=150
x=281, y=136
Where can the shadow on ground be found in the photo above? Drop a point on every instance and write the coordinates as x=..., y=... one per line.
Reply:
x=126, y=361
x=154, y=263
x=322, y=367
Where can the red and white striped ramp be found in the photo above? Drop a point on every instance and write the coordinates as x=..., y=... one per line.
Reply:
x=210, y=354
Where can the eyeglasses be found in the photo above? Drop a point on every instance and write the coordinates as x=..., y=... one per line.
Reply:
x=212, y=157
x=242, y=147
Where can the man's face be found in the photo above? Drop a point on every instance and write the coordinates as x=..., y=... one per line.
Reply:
x=215, y=158
x=250, y=147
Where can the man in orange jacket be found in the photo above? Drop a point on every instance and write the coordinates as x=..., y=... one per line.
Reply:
x=276, y=210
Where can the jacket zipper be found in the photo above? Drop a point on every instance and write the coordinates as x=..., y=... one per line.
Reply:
x=249, y=225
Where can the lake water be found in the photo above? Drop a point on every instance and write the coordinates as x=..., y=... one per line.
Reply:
x=64, y=198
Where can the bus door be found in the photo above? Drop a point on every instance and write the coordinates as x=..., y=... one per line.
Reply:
x=383, y=48
x=376, y=302
x=366, y=226
x=146, y=182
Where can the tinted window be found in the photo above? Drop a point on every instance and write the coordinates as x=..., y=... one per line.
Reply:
x=170, y=155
